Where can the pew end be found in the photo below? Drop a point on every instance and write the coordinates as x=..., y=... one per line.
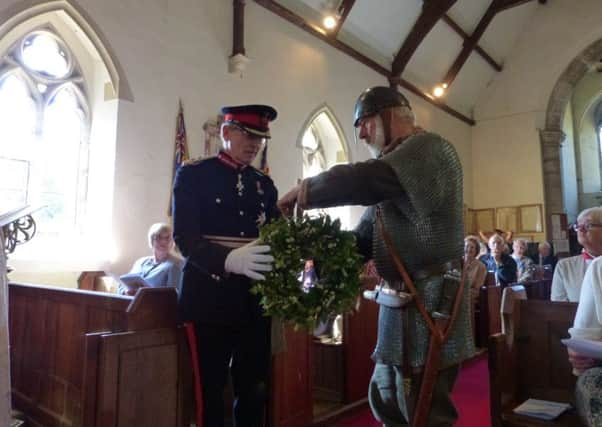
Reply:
x=88, y=358
x=98, y=281
x=529, y=361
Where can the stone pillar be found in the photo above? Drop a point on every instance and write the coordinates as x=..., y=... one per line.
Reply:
x=5, y=405
x=551, y=141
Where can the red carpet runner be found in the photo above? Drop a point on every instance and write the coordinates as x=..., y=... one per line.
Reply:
x=470, y=395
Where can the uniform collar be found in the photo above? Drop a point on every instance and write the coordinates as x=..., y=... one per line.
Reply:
x=230, y=161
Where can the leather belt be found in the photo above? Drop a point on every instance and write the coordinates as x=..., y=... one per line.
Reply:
x=435, y=270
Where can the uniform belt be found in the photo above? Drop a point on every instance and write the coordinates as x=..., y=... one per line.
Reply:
x=229, y=241
x=435, y=270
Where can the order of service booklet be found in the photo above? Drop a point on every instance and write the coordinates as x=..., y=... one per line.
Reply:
x=587, y=348
x=133, y=281
x=543, y=409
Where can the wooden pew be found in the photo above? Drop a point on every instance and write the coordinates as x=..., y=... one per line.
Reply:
x=97, y=281
x=81, y=358
x=292, y=388
x=488, y=321
x=533, y=363
x=292, y=379
x=538, y=289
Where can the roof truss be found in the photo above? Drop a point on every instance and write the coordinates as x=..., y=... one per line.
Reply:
x=300, y=22
x=432, y=11
x=470, y=43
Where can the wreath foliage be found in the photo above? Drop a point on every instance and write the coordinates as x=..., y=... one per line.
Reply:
x=336, y=263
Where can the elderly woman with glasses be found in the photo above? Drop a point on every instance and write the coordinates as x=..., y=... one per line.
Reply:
x=569, y=272
x=162, y=268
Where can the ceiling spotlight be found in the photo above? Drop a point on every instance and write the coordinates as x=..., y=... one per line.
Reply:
x=329, y=22
x=444, y=85
x=438, y=91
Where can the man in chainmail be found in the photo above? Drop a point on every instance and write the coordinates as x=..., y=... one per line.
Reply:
x=414, y=183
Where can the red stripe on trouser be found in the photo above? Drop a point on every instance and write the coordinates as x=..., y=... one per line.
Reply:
x=196, y=370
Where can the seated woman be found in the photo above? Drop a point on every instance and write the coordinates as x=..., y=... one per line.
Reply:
x=162, y=268
x=499, y=262
x=588, y=325
x=525, y=267
x=475, y=270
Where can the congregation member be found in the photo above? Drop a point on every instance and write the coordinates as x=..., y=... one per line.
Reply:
x=545, y=258
x=218, y=206
x=525, y=267
x=475, y=269
x=569, y=272
x=499, y=262
x=162, y=268
x=413, y=187
x=588, y=325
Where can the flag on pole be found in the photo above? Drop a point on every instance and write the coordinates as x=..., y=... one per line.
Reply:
x=180, y=150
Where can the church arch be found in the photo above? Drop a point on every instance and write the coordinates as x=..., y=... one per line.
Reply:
x=552, y=136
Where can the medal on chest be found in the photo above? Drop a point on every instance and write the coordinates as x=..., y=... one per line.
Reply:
x=239, y=185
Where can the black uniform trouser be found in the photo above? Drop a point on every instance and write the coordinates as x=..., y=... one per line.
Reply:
x=245, y=349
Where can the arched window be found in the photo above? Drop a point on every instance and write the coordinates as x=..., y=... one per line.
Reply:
x=43, y=131
x=323, y=146
x=58, y=122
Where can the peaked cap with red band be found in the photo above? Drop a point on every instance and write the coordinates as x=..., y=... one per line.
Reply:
x=254, y=119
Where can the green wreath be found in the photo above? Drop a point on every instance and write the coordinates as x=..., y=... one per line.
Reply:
x=335, y=261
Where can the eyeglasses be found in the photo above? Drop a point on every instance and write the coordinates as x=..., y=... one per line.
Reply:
x=585, y=227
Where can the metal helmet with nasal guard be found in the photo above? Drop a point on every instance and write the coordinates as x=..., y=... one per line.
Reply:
x=375, y=99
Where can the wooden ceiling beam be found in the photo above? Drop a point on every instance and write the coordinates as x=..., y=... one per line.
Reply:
x=295, y=19
x=454, y=26
x=428, y=98
x=432, y=11
x=509, y=4
x=343, y=10
x=300, y=22
x=470, y=43
x=238, y=27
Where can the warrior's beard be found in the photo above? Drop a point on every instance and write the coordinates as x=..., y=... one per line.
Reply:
x=378, y=144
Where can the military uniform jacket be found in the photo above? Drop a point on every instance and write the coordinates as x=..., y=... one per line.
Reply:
x=218, y=205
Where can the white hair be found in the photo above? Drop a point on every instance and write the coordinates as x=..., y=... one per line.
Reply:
x=594, y=213
x=156, y=229
x=522, y=241
x=544, y=244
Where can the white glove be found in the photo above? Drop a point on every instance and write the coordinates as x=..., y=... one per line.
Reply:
x=249, y=259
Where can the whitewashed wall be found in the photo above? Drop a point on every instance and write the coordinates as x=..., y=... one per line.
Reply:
x=171, y=49
x=513, y=107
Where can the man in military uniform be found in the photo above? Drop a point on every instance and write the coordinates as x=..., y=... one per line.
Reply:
x=415, y=182
x=218, y=206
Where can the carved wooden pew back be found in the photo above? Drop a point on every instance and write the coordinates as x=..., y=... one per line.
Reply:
x=533, y=363
x=95, y=359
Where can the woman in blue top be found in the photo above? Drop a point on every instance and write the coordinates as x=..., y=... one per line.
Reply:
x=162, y=268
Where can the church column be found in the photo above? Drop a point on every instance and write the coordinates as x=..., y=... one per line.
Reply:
x=5, y=402
x=551, y=141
